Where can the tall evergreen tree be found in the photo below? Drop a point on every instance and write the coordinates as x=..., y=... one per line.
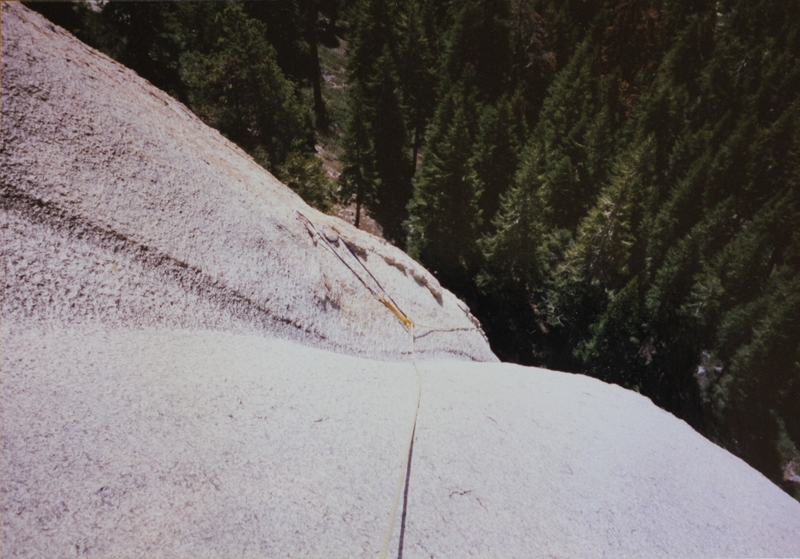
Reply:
x=478, y=49
x=252, y=103
x=533, y=62
x=502, y=133
x=416, y=72
x=443, y=227
x=373, y=72
x=359, y=179
x=285, y=29
x=371, y=29
x=392, y=164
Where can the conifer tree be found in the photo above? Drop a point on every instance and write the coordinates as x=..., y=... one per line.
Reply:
x=533, y=62
x=611, y=350
x=392, y=165
x=444, y=214
x=567, y=23
x=606, y=237
x=577, y=130
x=502, y=133
x=372, y=69
x=252, y=103
x=519, y=226
x=416, y=73
x=285, y=30
x=371, y=30
x=359, y=180
x=478, y=49
x=600, y=274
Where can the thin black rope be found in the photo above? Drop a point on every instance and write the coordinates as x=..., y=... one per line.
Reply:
x=405, y=494
x=336, y=253
x=353, y=252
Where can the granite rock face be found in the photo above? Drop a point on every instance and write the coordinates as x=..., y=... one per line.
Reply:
x=196, y=364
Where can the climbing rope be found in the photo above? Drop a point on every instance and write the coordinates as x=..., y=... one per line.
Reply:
x=379, y=293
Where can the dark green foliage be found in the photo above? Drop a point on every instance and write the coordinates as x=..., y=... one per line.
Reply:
x=359, y=179
x=377, y=161
x=502, y=132
x=236, y=86
x=577, y=129
x=611, y=350
x=416, y=74
x=370, y=31
x=284, y=28
x=566, y=24
x=756, y=280
x=443, y=229
x=533, y=63
x=296, y=30
x=392, y=164
x=478, y=48
x=304, y=174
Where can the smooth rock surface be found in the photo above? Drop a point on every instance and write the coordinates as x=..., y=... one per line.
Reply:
x=186, y=372
x=170, y=443
x=178, y=443
x=514, y=461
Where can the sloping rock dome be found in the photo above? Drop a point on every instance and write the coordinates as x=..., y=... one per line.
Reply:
x=195, y=363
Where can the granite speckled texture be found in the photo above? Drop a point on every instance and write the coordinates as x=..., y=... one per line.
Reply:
x=176, y=443
x=186, y=372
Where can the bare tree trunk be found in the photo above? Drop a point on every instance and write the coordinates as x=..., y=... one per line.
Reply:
x=415, y=151
x=311, y=32
x=358, y=206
